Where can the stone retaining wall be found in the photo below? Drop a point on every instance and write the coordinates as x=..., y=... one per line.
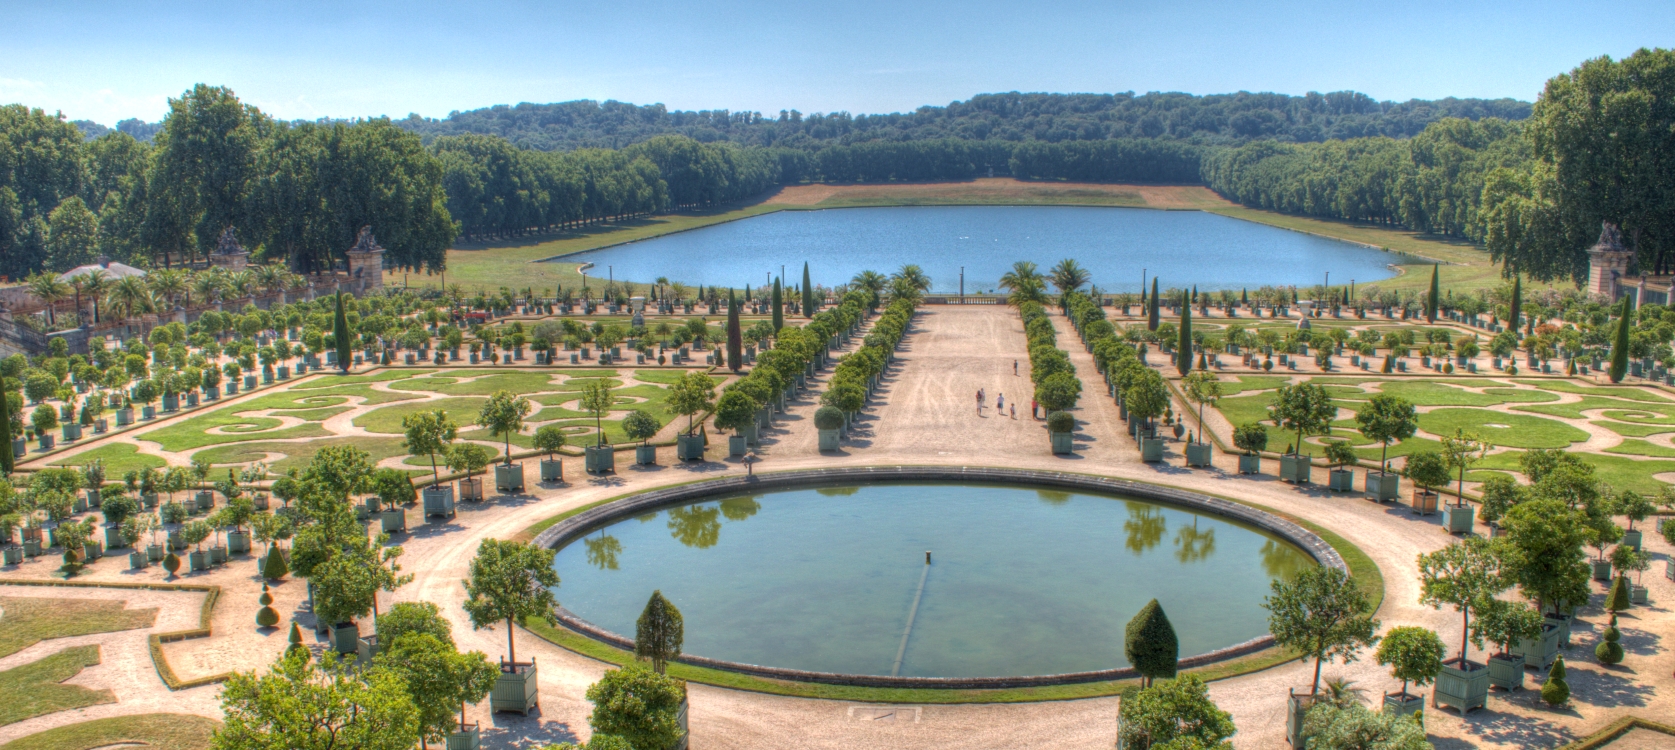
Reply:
x=581, y=524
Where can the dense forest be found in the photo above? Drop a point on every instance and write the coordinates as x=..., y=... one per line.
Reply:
x=1531, y=183
x=1011, y=118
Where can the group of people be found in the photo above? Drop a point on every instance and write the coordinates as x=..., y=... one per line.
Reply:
x=1000, y=404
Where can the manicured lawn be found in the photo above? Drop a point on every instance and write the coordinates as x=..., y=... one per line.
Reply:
x=119, y=458
x=1243, y=383
x=387, y=419
x=193, y=433
x=1433, y=393
x=1624, y=392
x=37, y=688
x=1633, y=430
x=297, y=455
x=1520, y=431
x=1574, y=409
x=381, y=376
x=1621, y=472
x=166, y=731
x=480, y=383
x=668, y=377
x=1642, y=448
x=30, y=620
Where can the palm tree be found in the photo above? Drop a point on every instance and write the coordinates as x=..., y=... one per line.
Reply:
x=872, y=281
x=902, y=287
x=95, y=283
x=169, y=284
x=78, y=283
x=914, y=275
x=272, y=277
x=242, y=284
x=1024, y=283
x=49, y=290
x=662, y=281
x=296, y=281
x=208, y=286
x=129, y=297
x=1068, y=275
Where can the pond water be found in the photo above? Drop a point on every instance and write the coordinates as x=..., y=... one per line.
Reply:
x=1116, y=245
x=1022, y=581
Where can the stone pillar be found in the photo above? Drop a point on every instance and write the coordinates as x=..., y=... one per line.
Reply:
x=1608, y=261
x=366, y=263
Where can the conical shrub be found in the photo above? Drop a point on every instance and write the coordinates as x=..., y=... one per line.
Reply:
x=295, y=640
x=1556, y=691
x=1617, y=599
x=273, y=565
x=1609, y=651
x=1150, y=643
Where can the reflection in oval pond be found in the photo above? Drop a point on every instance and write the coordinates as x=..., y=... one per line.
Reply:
x=1022, y=581
x=1115, y=244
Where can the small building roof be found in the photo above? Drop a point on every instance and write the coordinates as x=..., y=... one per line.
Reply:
x=111, y=269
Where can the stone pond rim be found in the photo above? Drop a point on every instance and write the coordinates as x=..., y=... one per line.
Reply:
x=579, y=525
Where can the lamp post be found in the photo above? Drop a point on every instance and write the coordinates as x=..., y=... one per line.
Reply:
x=962, y=284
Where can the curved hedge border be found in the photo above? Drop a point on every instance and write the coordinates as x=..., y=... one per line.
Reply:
x=580, y=524
x=164, y=671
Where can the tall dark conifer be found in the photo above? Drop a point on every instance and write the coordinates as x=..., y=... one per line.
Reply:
x=779, y=307
x=340, y=335
x=735, y=341
x=1183, y=350
x=1151, y=312
x=1619, y=344
x=6, y=457
x=1517, y=307
x=1434, y=298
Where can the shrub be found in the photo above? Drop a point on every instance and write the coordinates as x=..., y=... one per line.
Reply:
x=828, y=418
x=1609, y=651
x=1060, y=421
x=274, y=566
x=1251, y=437
x=1556, y=691
x=1150, y=643
x=1616, y=600
x=639, y=425
x=267, y=616
x=1428, y=469
x=1339, y=452
x=638, y=705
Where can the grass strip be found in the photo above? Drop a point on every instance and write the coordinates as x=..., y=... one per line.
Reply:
x=30, y=620
x=171, y=731
x=37, y=688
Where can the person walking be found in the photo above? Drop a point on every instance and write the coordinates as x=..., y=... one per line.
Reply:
x=1000, y=402
x=1014, y=368
x=979, y=402
x=1032, y=407
x=1014, y=411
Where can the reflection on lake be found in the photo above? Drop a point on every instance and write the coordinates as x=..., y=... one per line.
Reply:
x=1115, y=244
x=1023, y=581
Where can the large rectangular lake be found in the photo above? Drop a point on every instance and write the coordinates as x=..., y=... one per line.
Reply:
x=1117, y=245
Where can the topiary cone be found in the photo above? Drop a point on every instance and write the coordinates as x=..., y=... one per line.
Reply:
x=273, y=565
x=1609, y=651
x=295, y=640
x=1555, y=691
x=1617, y=600
x=267, y=616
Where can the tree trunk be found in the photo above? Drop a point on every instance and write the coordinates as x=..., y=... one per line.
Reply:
x=511, y=655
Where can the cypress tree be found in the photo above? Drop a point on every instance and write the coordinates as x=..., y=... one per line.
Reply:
x=6, y=465
x=659, y=632
x=779, y=307
x=1183, y=350
x=1617, y=599
x=1150, y=643
x=1244, y=297
x=1434, y=298
x=340, y=335
x=735, y=343
x=1517, y=304
x=808, y=293
x=1151, y=313
x=1619, y=346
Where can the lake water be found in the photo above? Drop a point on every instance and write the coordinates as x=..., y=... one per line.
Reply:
x=1183, y=248
x=1022, y=581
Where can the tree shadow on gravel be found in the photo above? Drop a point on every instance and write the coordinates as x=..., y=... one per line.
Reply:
x=509, y=730
x=1505, y=728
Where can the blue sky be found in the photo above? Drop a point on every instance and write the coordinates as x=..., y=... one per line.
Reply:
x=107, y=61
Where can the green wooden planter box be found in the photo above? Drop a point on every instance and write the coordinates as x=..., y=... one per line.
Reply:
x=439, y=500
x=1462, y=684
x=1403, y=704
x=1382, y=487
x=1506, y=671
x=517, y=688
x=468, y=737
x=737, y=446
x=393, y=520
x=1297, y=706
x=345, y=637
x=366, y=648
x=1632, y=539
x=645, y=455
x=197, y=561
x=1638, y=594
x=1151, y=450
x=113, y=538
x=154, y=552
x=1538, y=652
x=829, y=440
x=1460, y=518
x=1198, y=454
x=1295, y=468
x=471, y=489
x=217, y=555
x=1064, y=443
x=600, y=459
x=136, y=560
x=552, y=470
x=238, y=542
x=689, y=447
x=13, y=555
x=508, y=477
x=1602, y=569
x=1250, y=463
x=206, y=500
x=1340, y=480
